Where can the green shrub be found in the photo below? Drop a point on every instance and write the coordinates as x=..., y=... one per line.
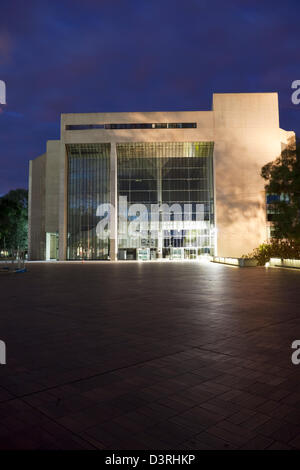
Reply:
x=287, y=249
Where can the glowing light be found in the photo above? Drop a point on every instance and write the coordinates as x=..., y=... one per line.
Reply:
x=267, y=265
x=205, y=259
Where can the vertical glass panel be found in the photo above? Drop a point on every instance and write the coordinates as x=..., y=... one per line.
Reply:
x=169, y=173
x=88, y=186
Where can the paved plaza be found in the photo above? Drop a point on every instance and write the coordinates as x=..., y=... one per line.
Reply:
x=154, y=355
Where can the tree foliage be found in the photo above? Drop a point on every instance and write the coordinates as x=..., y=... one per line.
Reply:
x=286, y=249
x=13, y=221
x=283, y=182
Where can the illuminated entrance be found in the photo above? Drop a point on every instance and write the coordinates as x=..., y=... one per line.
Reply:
x=173, y=173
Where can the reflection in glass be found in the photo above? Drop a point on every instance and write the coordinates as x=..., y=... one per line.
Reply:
x=168, y=173
x=88, y=186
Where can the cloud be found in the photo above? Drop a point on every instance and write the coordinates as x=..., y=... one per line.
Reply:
x=6, y=47
x=128, y=55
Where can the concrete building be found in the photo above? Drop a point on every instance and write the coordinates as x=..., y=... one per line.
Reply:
x=212, y=158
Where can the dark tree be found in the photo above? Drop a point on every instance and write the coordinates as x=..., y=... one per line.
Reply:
x=283, y=188
x=13, y=221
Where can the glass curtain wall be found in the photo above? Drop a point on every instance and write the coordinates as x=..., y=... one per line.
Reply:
x=88, y=186
x=169, y=173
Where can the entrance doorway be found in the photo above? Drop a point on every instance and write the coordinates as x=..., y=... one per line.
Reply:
x=190, y=253
x=51, y=246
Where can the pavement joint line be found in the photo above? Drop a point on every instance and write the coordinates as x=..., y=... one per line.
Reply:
x=93, y=376
x=204, y=348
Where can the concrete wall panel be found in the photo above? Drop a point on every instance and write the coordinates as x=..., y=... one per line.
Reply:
x=36, y=235
x=52, y=186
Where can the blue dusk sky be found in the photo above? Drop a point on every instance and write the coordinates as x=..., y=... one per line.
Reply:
x=135, y=55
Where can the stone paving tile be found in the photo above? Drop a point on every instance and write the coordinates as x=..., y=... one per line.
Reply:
x=286, y=433
x=149, y=356
x=170, y=433
x=269, y=427
x=280, y=446
x=258, y=443
x=208, y=441
x=157, y=411
x=241, y=416
x=5, y=395
x=135, y=421
x=233, y=434
x=217, y=408
x=295, y=442
x=255, y=421
x=178, y=403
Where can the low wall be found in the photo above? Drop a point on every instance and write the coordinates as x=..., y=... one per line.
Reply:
x=285, y=263
x=240, y=262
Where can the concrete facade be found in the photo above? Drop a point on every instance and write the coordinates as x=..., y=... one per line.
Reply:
x=246, y=134
x=37, y=208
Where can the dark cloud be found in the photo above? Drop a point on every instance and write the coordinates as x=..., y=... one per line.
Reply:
x=135, y=55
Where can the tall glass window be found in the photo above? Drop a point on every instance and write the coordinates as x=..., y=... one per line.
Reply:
x=169, y=173
x=88, y=186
